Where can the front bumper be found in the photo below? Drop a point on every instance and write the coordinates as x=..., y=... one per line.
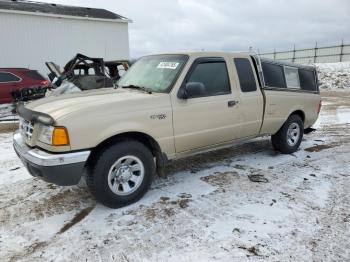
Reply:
x=60, y=169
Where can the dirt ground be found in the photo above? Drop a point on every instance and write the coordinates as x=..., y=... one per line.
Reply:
x=245, y=203
x=8, y=127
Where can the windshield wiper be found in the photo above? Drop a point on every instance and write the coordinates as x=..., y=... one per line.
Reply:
x=145, y=89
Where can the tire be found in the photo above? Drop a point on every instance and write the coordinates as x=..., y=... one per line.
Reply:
x=121, y=174
x=287, y=140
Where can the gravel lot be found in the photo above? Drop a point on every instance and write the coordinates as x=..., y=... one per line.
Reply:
x=208, y=209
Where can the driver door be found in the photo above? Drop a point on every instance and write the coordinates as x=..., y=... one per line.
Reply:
x=210, y=117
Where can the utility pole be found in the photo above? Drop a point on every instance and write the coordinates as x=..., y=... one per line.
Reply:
x=293, y=59
x=341, y=50
x=315, y=53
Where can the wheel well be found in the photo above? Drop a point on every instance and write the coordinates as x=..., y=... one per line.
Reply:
x=299, y=113
x=143, y=138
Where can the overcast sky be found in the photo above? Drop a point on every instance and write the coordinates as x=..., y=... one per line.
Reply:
x=230, y=25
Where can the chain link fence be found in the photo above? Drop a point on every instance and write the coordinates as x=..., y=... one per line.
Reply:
x=317, y=54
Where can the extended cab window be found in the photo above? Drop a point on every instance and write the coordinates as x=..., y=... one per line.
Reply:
x=214, y=77
x=273, y=75
x=8, y=77
x=292, y=77
x=307, y=80
x=245, y=75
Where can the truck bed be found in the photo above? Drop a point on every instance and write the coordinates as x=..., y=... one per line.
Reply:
x=287, y=88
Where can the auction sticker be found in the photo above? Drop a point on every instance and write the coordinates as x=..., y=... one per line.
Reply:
x=168, y=65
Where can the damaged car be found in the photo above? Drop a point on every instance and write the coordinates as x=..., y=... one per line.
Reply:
x=85, y=73
x=18, y=84
x=79, y=74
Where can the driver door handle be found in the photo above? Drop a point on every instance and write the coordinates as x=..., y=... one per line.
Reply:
x=232, y=103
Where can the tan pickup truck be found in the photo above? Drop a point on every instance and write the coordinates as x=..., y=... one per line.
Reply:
x=165, y=107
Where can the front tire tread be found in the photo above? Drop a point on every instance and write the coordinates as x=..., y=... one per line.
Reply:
x=98, y=172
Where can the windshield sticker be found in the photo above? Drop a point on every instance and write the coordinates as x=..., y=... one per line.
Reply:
x=168, y=65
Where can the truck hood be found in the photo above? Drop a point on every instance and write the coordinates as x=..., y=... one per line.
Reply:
x=63, y=105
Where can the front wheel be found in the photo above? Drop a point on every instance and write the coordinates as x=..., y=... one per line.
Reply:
x=121, y=174
x=287, y=140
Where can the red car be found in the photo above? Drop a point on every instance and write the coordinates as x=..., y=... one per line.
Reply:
x=14, y=79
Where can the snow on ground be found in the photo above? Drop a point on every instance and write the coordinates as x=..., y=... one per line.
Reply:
x=206, y=210
x=334, y=75
x=6, y=112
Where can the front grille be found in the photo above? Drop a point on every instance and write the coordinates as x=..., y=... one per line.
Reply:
x=26, y=127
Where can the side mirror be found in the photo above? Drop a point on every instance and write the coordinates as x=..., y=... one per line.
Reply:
x=191, y=90
x=58, y=82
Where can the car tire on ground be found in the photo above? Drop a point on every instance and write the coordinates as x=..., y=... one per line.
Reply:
x=287, y=140
x=121, y=174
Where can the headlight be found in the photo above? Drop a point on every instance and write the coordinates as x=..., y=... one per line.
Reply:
x=45, y=134
x=56, y=136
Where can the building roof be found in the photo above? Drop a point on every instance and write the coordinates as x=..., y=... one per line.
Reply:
x=59, y=10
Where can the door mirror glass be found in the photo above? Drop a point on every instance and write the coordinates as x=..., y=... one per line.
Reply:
x=195, y=89
x=191, y=89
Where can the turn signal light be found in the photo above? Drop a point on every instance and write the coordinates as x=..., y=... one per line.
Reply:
x=44, y=82
x=60, y=137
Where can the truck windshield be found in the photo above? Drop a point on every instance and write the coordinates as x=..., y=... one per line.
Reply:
x=156, y=73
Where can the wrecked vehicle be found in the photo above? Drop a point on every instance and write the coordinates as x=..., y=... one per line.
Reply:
x=166, y=107
x=29, y=93
x=85, y=73
x=79, y=74
x=21, y=84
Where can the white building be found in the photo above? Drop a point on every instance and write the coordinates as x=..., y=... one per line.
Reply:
x=33, y=33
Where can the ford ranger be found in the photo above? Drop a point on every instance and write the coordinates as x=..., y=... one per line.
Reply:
x=165, y=107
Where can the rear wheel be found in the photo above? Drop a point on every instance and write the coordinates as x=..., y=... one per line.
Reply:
x=287, y=140
x=121, y=174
